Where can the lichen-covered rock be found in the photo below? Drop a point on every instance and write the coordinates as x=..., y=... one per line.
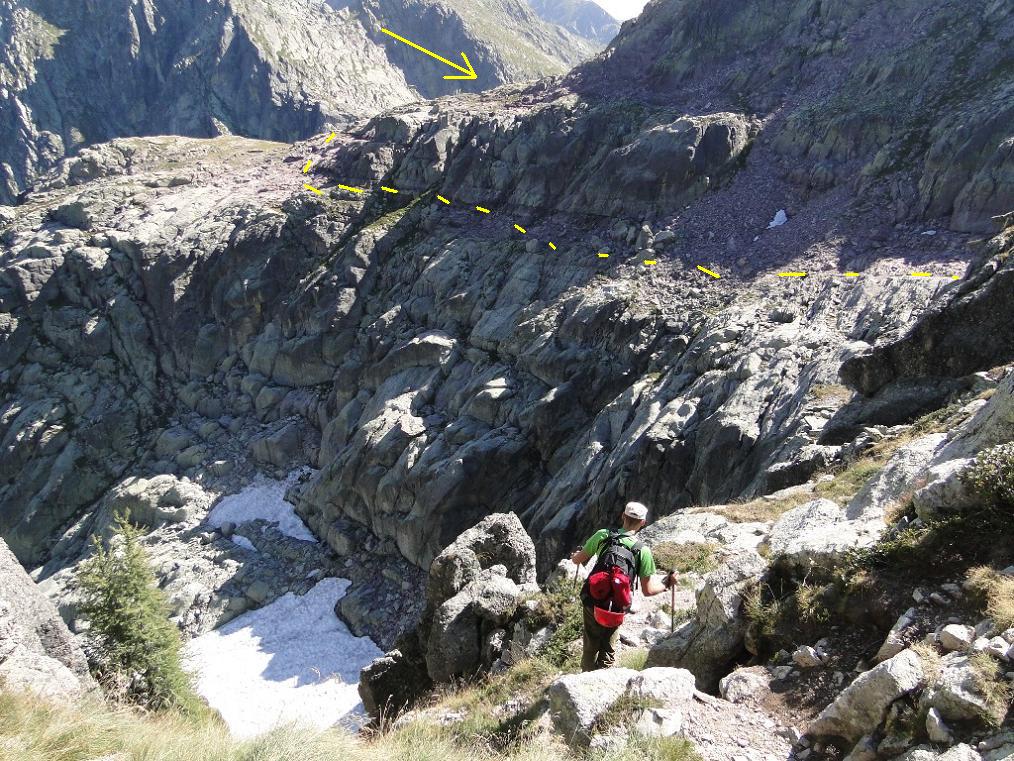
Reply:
x=956, y=692
x=37, y=651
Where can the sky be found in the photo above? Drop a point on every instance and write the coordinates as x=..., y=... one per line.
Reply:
x=623, y=9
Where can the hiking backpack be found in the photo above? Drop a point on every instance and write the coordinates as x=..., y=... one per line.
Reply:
x=610, y=585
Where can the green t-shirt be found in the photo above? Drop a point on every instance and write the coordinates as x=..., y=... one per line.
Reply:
x=645, y=562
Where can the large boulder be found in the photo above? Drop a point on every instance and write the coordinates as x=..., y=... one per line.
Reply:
x=37, y=651
x=707, y=644
x=746, y=685
x=578, y=702
x=945, y=491
x=497, y=539
x=862, y=706
x=816, y=535
x=454, y=645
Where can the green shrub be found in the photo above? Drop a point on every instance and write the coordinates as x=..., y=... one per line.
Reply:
x=633, y=659
x=139, y=648
x=991, y=476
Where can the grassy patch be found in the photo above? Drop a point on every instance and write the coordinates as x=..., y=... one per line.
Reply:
x=990, y=679
x=830, y=392
x=686, y=557
x=625, y=710
x=560, y=607
x=847, y=483
x=654, y=748
x=995, y=594
x=762, y=509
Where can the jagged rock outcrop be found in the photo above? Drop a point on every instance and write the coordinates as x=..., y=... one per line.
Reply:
x=475, y=587
x=37, y=651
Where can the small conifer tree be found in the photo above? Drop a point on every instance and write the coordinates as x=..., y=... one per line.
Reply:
x=138, y=646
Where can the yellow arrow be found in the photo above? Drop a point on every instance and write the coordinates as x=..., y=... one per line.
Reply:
x=468, y=73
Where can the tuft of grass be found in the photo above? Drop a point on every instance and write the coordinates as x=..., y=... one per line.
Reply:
x=930, y=658
x=810, y=605
x=686, y=557
x=995, y=593
x=991, y=682
x=633, y=659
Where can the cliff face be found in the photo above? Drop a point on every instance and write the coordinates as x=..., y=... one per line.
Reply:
x=75, y=74
x=434, y=364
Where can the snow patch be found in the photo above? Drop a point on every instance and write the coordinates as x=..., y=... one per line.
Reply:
x=292, y=661
x=243, y=542
x=264, y=499
x=780, y=219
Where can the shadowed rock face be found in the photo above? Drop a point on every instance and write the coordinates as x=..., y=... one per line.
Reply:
x=436, y=366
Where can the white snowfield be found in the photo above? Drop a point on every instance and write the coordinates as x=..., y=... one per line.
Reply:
x=292, y=661
x=265, y=499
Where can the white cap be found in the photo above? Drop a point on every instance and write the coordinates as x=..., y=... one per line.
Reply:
x=636, y=510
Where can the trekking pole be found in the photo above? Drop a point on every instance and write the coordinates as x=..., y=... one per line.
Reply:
x=672, y=602
x=577, y=575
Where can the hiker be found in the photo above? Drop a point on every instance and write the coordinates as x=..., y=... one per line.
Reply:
x=607, y=591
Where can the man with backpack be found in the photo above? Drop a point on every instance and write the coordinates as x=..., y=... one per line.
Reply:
x=608, y=590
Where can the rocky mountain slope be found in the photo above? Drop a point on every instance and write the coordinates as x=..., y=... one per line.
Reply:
x=74, y=75
x=582, y=17
x=189, y=309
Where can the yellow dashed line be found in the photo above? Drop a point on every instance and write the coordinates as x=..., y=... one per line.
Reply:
x=443, y=200
x=329, y=138
x=955, y=277
x=306, y=168
x=315, y=190
x=706, y=271
x=520, y=229
x=922, y=274
x=482, y=209
x=650, y=262
x=387, y=189
x=603, y=256
x=851, y=274
x=351, y=189
x=552, y=246
x=791, y=274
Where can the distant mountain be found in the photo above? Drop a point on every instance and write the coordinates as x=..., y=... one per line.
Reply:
x=582, y=17
x=505, y=40
x=75, y=74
